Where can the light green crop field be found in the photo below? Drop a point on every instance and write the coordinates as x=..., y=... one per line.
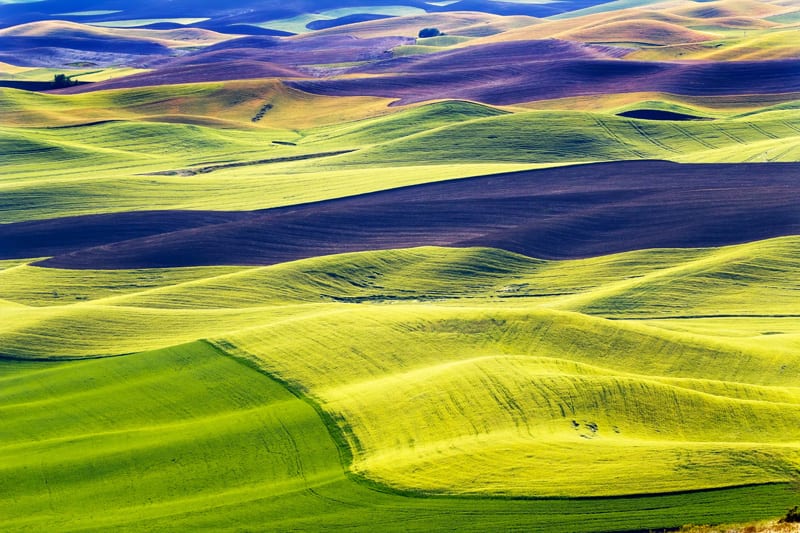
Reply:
x=189, y=438
x=640, y=285
x=540, y=403
x=737, y=45
x=414, y=50
x=423, y=389
x=46, y=74
x=165, y=148
x=536, y=378
x=429, y=45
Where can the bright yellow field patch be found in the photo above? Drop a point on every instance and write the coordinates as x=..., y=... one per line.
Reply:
x=712, y=106
x=175, y=38
x=600, y=467
x=5, y=68
x=486, y=401
x=740, y=45
x=84, y=75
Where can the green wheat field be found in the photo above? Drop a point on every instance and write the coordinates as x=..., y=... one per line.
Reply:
x=309, y=271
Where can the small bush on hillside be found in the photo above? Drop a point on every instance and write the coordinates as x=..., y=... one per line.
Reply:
x=792, y=516
x=429, y=32
x=62, y=80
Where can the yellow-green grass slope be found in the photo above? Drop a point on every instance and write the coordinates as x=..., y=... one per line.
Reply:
x=477, y=371
x=129, y=442
x=187, y=438
x=162, y=148
x=174, y=38
x=735, y=44
x=9, y=72
x=720, y=30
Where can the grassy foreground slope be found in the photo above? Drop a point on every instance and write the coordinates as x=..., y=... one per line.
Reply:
x=120, y=442
x=545, y=403
x=186, y=437
x=403, y=389
x=493, y=386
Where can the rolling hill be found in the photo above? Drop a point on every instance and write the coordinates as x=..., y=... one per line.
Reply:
x=293, y=267
x=280, y=463
x=561, y=212
x=515, y=326
x=467, y=24
x=560, y=79
x=270, y=140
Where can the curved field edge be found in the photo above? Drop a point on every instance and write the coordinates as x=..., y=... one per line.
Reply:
x=390, y=341
x=157, y=440
x=50, y=312
x=180, y=148
x=521, y=402
x=576, y=211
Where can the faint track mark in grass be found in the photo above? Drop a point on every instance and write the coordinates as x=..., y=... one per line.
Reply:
x=641, y=131
x=84, y=124
x=762, y=131
x=336, y=430
x=611, y=133
x=780, y=155
x=729, y=134
x=58, y=358
x=213, y=168
x=692, y=136
x=791, y=126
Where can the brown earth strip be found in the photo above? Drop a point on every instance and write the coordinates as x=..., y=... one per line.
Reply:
x=566, y=212
x=524, y=71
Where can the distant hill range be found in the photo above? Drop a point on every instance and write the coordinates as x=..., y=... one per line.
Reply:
x=221, y=13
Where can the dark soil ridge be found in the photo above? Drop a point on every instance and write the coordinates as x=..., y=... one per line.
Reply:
x=557, y=213
x=494, y=73
x=515, y=77
x=657, y=114
x=24, y=85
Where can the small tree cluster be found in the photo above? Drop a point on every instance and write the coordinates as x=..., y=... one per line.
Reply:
x=429, y=32
x=62, y=80
x=792, y=516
